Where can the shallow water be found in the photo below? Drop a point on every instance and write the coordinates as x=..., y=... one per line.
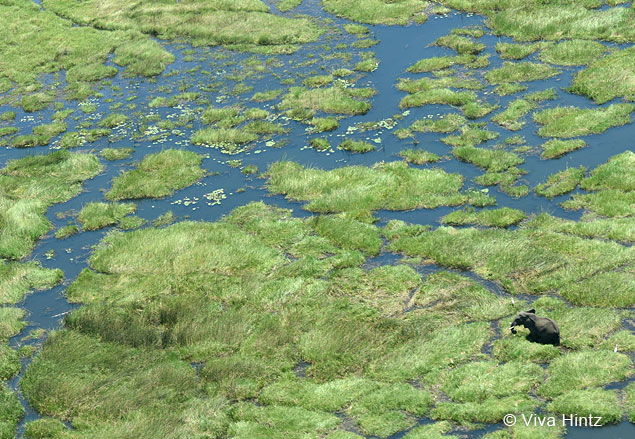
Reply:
x=399, y=48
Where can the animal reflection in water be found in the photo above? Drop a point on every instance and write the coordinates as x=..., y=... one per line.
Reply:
x=541, y=329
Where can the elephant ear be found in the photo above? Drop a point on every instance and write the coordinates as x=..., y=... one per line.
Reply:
x=531, y=311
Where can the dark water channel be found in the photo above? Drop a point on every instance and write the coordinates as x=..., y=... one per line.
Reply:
x=399, y=48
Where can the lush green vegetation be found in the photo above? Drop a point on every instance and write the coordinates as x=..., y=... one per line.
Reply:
x=573, y=52
x=572, y=121
x=521, y=71
x=158, y=175
x=418, y=156
x=97, y=215
x=503, y=217
x=28, y=186
x=378, y=11
x=335, y=100
x=561, y=182
x=116, y=153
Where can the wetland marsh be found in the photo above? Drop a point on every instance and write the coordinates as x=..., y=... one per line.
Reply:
x=315, y=219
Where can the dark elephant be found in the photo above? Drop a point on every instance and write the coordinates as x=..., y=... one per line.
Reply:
x=541, y=329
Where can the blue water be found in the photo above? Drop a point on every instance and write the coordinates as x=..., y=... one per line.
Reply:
x=399, y=48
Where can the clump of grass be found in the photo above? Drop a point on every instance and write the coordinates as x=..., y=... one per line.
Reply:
x=630, y=401
x=516, y=51
x=31, y=184
x=439, y=63
x=130, y=222
x=116, y=153
x=572, y=121
x=491, y=410
x=381, y=187
x=250, y=170
x=318, y=80
x=446, y=123
x=44, y=428
x=561, y=182
x=555, y=148
x=66, y=231
x=356, y=29
x=228, y=139
x=470, y=136
x=443, y=96
x=573, y=52
x=370, y=64
x=323, y=124
x=591, y=402
x=424, y=84
x=35, y=102
x=510, y=118
x=520, y=72
x=97, y=215
x=18, y=278
x=503, y=217
x=358, y=146
x=7, y=116
x=618, y=229
x=608, y=77
x=256, y=114
x=460, y=44
x=377, y=11
x=335, y=100
x=519, y=349
x=11, y=411
x=320, y=144
x=509, y=88
x=264, y=96
x=418, y=156
x=476, y=110
x=158, y=175
x=8, y=131
x=164, y=219
x=113, y=120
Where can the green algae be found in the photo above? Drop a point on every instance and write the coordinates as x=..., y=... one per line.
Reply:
x=158, y=175
x=571, y=121
x=503, y=217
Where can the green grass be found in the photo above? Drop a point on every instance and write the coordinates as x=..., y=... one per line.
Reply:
x=443, y=96
x=460, y=44
x=11, y=411
x=10, y=363
x=335, y=100
x=8, y=131
x=113, y=120
x=489, y=411
x=554, y=148
x=503, y=217
x=418, y=156
x=425, y=84
x=630, y=401
x=510, y=118
x=378, y=11
x=264, y=96
x=509, y=88
x=520, y=72
x=7, y=116
x=573, y=52
x=247, y=24
x=392, y=186
x=358, y=146
x=323, y=124
x=31, y=184
x=66, y=231
x=44, y=428
x=561, y=182
x=442, y=124
x=229, y=140
x=591, y=402
x=320, y=144
x=158, y=175
x=608, y=77
x=572, y=121
x=518, y=349
x=618, y=229
x=96, y=215
x=18, y=278
x=439, y=63
x=492, y=160
x=369, y=64
x=116, y=153
x=516, y=51
x=11, y=322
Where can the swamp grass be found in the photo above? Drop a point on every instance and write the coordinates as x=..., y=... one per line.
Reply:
x=567, y=122
x=334, y=100
x=379, y=11
x=158, y=175
x=561, y=182
x=503, y=217
x=97, y=215
x=554, y=148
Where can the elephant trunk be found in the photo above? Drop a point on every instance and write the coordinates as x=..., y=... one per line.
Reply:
x=511, y=328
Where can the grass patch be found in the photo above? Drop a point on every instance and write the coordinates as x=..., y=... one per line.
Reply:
x=11, y=411
x=591, y=402
x=18, y=278
x=320, y=144
x=358, y=146
x=510, y=118
x=229, y=140
x=520, y=72
x=31, y=184
x=442, y=124
x=441, y=96
x=323, y=124
x=460, y=44
x=369, y=64
x=418, y=156
x=503, y=217
x=516, y=51
x=378, y=11
x=573, y=52
x=572, y=121
x=561, y=182
x=158, y=175
x=265, y=96
x=439, y=63
x=492, y=160
x=66, y=231
x=607, y=78
x=116, y=153
x=509, y=88
x=392, y=186
x=334, y=100
x=555, y=148
x=98, y=215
